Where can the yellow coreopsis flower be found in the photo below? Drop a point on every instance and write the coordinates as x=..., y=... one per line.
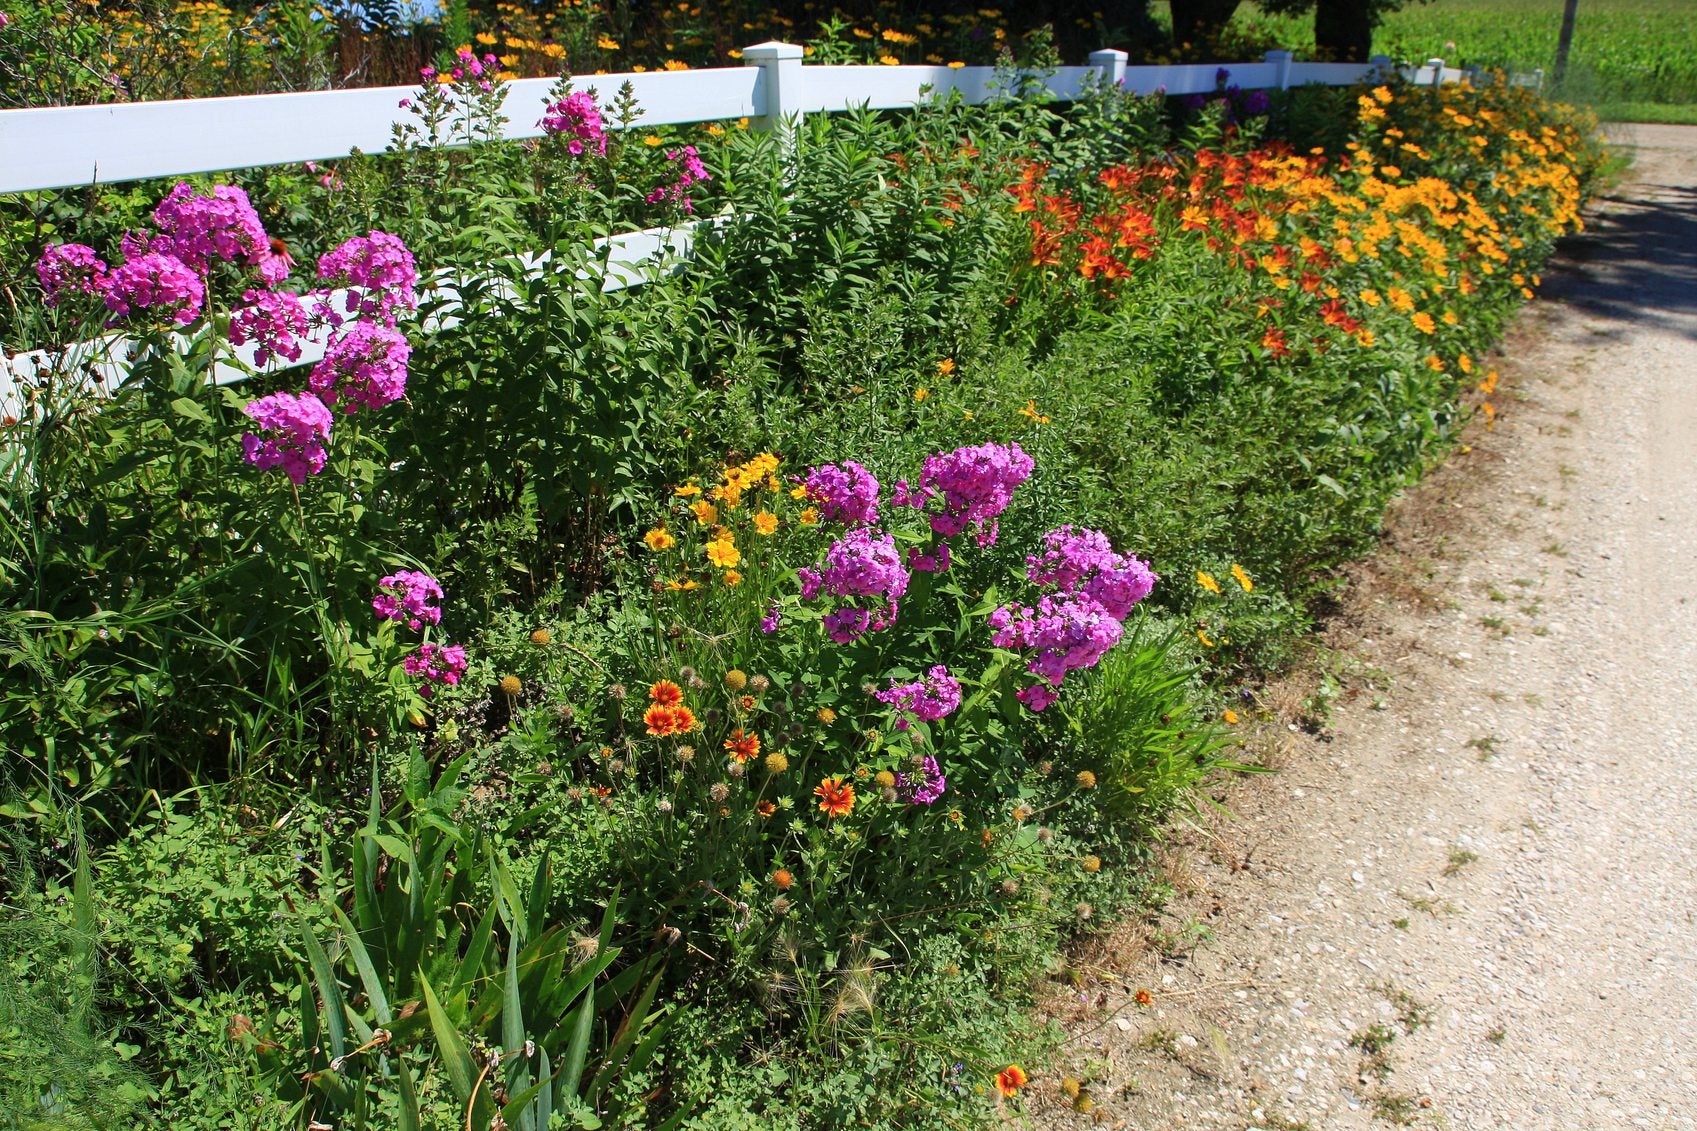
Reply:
x=706, y=514
x=765, y=523
x=1206, y=580
x=1240, y=576
x=722, y=553
x=659, y=539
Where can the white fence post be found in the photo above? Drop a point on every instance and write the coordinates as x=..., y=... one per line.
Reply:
x=1111, y=62
x=1281, y=68
x=1437, y=66
x=780, y=94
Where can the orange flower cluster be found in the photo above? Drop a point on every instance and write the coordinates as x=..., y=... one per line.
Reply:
x=666, y=715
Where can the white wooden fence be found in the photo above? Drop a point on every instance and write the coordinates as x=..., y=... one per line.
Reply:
x=69, y=146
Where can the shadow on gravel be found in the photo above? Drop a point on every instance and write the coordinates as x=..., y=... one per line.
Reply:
x=1636, y=263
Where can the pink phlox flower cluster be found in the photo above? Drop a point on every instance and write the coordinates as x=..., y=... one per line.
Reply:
x=4, y=20
x=1078, y=560
x=296, y=426
x=201, y=229
x=937, y=562
x=968, y=487
x=1067, y=632
x=847, y=493
x=1072, y=627
x=156, y=279
x=406, y=596
x=772, y=619
x=933, y=697
x=865, y=570
x=471, y=66
x=379, y=273
x=273, y=320
x=71, y=268
x=923, y=786
x=578, y=118
x=435, y=663
x=687, y=170
x=363, y=368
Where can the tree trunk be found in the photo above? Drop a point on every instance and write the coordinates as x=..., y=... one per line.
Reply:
x=1343, y=30
x=1195, y=21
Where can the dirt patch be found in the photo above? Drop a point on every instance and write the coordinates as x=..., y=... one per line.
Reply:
x=1470, y=899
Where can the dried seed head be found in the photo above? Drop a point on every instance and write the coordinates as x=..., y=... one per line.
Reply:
x=686, y=754
x=889, y=794
x=674, y=630
x=777, y=762
x=1045, y=835
x=664, y=806
x=542, y=636
x=781, y=905
x=1086, y=780
x=1010, y=887
x=1045, y=768
x=718, y=791
x=736, y=679
x=545, y=768
x=885, y=779
x=686, y=673
x=574, y=793
x=668, y=935
x=1084, y=911
x=618, y=692
x=511, y=685
x=759, y=684
x=1091, y=864
x=736, y=769
x=1070, y=1087
x=616, y=766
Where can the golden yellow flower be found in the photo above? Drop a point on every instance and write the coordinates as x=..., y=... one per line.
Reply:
x=921, y=393
x=765, y=523
x=1206, y=580
x=809, y=516
x=686, y=490
x=706, y=514
x=659, y=539
x=827, y=716
x=732, y=578
x=681, y=586
x=607, y=43
x=722, y=553
x=1242, y=578
x=945, y=367
x=1424, y=322
x=652, y=141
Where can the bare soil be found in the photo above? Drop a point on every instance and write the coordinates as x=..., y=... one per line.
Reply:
x=1469, y=901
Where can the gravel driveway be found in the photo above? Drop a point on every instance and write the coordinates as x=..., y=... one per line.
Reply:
x=1471, y=900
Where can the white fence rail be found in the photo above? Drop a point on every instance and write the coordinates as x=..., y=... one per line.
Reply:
x=69, y=146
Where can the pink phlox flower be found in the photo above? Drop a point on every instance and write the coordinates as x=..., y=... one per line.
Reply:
x=296, y=426
x=846, y=493
x=200, y=229
x=406, y=595
x=938, y=562
x=156, y=280
x=974, y=485
x=1081, y=560
x=71, y=268
x=363, y=368
x=933, y=697
x=578, y=119
x=434, y=663
x=274, y=321
x=379, y=273
x=1067, y=632
x=772, y=619
x=923, y=786
x=865, y=571
x=687, y=170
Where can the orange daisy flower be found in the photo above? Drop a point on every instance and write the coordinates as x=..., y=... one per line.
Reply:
x=658, y=719
x=835, y=797
x=743, y=745
x=1010, y=1080
x=765, y=808
x=666, y=693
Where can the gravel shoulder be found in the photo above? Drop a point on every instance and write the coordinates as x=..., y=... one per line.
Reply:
x=1485, y=868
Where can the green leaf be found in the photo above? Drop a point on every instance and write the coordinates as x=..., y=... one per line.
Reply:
x=184, y=406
